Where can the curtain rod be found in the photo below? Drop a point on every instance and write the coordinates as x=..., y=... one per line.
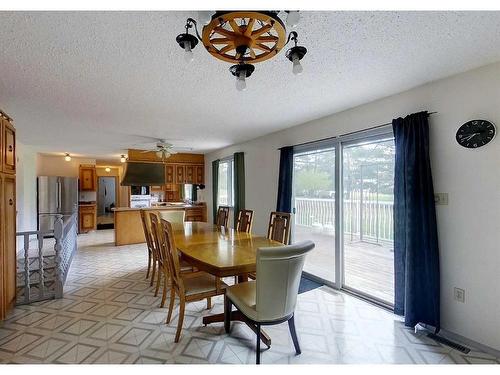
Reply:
x=346, y=134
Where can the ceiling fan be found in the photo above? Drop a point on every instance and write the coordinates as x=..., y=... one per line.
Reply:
x=164, y=149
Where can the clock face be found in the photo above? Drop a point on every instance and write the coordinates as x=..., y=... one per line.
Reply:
x=475, y=133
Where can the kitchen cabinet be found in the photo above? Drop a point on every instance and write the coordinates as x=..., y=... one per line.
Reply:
x=8, y=262
x=169, y=174
x=88, y=179
x=190, y=177
x=8, y=147
x=87, y=218
x=199, y=174
x=180, y=175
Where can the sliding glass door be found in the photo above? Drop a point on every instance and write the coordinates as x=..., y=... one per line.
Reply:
x=314, y=206
x=368, y=192
x=350, y=178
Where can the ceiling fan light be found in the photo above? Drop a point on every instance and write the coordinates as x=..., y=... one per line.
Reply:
x=188, y=52
x=67, y=157
x=241, y=84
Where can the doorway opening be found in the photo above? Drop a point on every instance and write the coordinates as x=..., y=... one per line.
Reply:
x=106, y=201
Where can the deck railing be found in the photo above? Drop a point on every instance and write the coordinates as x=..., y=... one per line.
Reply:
x=368, y=220
x=43, y=262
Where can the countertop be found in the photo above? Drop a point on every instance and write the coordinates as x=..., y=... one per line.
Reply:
x=86, y=203
x=167, y=207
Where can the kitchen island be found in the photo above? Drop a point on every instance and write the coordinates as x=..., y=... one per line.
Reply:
x=128, y=225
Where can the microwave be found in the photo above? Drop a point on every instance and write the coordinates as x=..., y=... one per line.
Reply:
x=139, y=190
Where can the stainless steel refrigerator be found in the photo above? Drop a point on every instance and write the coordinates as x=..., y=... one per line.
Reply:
x=56, y=195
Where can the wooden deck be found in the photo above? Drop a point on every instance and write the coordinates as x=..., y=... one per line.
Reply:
x=369, y=267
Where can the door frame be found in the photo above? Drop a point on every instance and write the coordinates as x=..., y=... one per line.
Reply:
x=338, y=143
x=117, y=192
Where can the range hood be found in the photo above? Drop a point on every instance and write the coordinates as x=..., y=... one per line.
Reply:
x=143, y=174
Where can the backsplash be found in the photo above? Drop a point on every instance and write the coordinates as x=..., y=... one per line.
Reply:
x=87, y=196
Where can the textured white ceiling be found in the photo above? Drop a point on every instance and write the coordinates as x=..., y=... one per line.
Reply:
x=91, y=83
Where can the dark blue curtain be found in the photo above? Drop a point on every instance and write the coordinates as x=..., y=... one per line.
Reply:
x=239, y=184
x=416, y=253
x=285, y=180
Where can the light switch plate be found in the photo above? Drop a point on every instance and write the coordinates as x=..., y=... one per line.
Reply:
x=441, y=199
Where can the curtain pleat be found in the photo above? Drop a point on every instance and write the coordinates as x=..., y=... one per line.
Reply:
x=284, y=201
x=215, y=187
x=239, y=184
x=416, y=252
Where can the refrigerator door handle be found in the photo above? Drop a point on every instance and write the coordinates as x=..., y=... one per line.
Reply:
x=59, y=193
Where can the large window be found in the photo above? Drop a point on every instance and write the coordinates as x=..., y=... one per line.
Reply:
x=225, y=191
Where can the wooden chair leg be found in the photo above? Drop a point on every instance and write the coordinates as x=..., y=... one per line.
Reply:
x=293, y=333
x=154, y=272
x=171, y=304
x=257, y=358
x=209, y=303
x=158, y=279
x=149, y=265
x=228, y=307
x=180, y=321
x=164, y=294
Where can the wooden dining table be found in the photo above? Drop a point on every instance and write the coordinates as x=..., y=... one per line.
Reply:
x=222, y=252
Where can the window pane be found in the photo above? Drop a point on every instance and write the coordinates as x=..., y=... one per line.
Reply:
x=222, y=194
x=314, y=203
x=368, y=218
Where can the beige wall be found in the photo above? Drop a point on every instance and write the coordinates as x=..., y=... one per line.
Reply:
x=49, y=165
x=26, y=187
x=469, y=226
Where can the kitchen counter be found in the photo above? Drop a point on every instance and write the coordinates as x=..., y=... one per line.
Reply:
x=128, y=224
x=163, y=207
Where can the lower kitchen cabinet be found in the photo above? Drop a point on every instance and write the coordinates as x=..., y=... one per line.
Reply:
x=87, y=218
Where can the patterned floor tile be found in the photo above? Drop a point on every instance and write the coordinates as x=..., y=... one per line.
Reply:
x=109, y=315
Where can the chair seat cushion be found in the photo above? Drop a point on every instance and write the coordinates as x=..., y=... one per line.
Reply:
x=243, y=297
x=202, y=283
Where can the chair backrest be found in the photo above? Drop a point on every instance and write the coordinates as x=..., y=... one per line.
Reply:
x=173, y=216
x=172, y=254
x=279, y=227
x=146, y=226
x=245, y=221
x=222, y=216
x=154, y=218
x=278, y=277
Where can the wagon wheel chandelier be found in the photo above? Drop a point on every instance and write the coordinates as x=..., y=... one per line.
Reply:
x=244, y=38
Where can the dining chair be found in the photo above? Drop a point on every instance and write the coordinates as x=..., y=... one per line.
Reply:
x=270, y=299
x=279, y=227
x=188, y=289
x=222, y=216
x=244, y=221
x=277, y=230
x=173, y=216
x=162, y=258
x=149, y=243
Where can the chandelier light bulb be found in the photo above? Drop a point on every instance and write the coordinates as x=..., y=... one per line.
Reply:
x=123, y=159
x=292, y=19
x=67, y=157
x=241, y=84
x=188, y=53
x=297, y=67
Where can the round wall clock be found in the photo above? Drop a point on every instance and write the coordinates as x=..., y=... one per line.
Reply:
x=475, y=133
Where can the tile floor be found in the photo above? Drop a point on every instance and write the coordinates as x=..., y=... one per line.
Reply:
x=109, y=315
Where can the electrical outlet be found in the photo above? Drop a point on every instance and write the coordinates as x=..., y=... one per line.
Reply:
x=441, y=199
x=459, y=294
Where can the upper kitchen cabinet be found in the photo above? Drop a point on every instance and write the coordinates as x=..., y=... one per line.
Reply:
x=8, y=144
x=190, y=174
x=169, y=174
x=199, y=174
x=180, y=174
x=88, y=179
